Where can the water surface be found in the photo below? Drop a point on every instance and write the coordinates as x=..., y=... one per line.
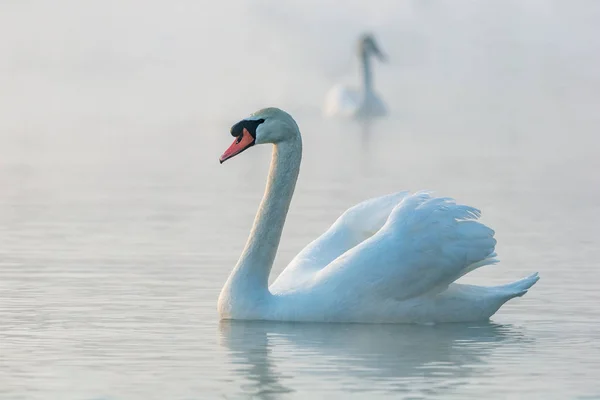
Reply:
x=118, y=226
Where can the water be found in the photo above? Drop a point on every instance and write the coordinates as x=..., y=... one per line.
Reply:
x=118, y=226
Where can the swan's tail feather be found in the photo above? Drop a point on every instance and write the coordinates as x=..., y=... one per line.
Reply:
x=522, y=284
x=498, y=295
x=518, y=288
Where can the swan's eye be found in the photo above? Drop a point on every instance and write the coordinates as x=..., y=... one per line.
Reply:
x=250, y=125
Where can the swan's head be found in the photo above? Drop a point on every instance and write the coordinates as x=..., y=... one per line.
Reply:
x=269, y=125
x=367, y=46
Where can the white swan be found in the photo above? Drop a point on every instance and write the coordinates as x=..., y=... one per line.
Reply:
x=390, y=259
x=343, y=101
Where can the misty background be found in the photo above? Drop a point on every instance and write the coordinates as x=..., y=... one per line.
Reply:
x=118, y=226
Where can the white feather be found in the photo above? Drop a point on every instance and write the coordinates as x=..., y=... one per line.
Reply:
x=389, y=259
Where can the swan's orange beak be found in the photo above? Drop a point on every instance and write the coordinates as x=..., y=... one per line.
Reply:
x=240, y=144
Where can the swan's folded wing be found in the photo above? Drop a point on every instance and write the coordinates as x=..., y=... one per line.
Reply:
x=341, y=101
x=425, y=244
x=357, y=224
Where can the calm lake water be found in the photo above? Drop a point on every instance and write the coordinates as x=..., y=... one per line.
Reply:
x=118, y=226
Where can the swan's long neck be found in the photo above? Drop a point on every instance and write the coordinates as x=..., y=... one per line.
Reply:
x=254, y=266
x=367, y=74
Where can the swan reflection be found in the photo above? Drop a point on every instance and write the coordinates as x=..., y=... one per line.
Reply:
x=374, y=358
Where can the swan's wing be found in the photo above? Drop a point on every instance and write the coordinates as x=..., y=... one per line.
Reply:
x=355, y=225
x=425, y=244
x=341, y=101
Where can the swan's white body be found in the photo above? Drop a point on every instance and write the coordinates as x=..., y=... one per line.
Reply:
x=347, y=102
x=361, y=103
x=392, y=259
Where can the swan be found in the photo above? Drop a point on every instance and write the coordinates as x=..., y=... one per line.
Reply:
x=343, y=101
x=391, y=259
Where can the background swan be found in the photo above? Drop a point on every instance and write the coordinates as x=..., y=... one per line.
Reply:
x=360, y=103
x=389, y=259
